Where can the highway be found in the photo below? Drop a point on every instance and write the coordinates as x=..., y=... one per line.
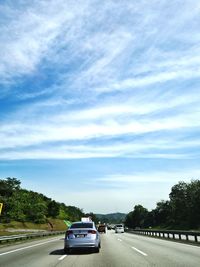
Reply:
x=117, y=250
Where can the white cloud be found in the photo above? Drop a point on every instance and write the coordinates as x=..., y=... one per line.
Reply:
x=92, y=79
x=103, y=122
x=166, y=148
x=29, y=34
x=158, y=77
x=94, y=52
x=169, y=176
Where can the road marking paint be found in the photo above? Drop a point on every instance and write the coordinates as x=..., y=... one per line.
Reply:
x=141, y=252
x=19, y=249
x=61, y=258
x=119, y=239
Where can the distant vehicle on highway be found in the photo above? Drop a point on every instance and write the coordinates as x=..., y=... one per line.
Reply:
x=109, y=227
x=102, y=228
x=82, y=235
x=119, y=228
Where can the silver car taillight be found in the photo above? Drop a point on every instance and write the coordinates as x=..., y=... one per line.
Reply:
x=92, y=232
x=69, y=232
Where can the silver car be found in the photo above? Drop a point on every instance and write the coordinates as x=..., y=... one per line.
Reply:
x=119, y=228
x=82, y=235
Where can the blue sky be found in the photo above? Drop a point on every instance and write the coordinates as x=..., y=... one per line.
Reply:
x=99, y=100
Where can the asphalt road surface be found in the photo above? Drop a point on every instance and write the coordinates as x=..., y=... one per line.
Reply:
x=117, y=250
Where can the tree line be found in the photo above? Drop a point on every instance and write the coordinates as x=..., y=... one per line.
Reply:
x=181, y=211
x=29, y=206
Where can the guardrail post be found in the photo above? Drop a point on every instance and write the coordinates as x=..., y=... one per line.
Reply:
x=176, y=234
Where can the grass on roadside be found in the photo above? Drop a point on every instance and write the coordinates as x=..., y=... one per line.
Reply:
x=15, y=227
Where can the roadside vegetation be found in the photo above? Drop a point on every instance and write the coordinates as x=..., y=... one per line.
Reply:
x=111, y=218
x=181, y=211
x=29, y=210
x=24, y=209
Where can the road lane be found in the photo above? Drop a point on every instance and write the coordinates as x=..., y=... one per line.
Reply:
x=163, y=252
x=52, y=254
x=112, y=254
x=118, y=250
x=34, y=253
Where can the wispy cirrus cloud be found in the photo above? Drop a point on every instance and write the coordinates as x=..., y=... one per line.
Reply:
x=109, y=88
x=93, y=141
x=159, y=176
x=29, y=32
x=75, y=70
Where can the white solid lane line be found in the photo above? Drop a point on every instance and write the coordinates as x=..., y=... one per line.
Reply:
x=19, y=249
x=141, y=252
x=61, y=258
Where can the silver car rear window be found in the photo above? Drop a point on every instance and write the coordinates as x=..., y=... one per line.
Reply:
x=81, y=225
x=119, y=225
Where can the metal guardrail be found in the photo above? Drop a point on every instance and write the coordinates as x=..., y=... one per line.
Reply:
x=28, y=236
x=169, y=234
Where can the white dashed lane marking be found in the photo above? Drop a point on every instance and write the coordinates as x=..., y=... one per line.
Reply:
x=141, y=252
x=61, y=258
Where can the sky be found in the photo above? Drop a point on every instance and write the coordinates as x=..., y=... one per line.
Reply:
x=99, y=100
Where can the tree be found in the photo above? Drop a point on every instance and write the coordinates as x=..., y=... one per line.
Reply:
x=193, y=202
x=129, y=220
x=137, y=218
x=8, y=186
x=23, y=205
x=27, y=206
x=179, y=205
x=53, y=209
x=36, y=209
x=162, y=213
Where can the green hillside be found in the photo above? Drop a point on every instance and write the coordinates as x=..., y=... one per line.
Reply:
x=111, y=218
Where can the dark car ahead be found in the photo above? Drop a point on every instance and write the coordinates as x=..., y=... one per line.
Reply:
x=102, y=228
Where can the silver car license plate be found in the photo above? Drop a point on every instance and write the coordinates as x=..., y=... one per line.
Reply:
x=79, y=236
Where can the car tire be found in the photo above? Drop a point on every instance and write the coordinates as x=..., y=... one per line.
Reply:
x=67, y=250
x=96, y=250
